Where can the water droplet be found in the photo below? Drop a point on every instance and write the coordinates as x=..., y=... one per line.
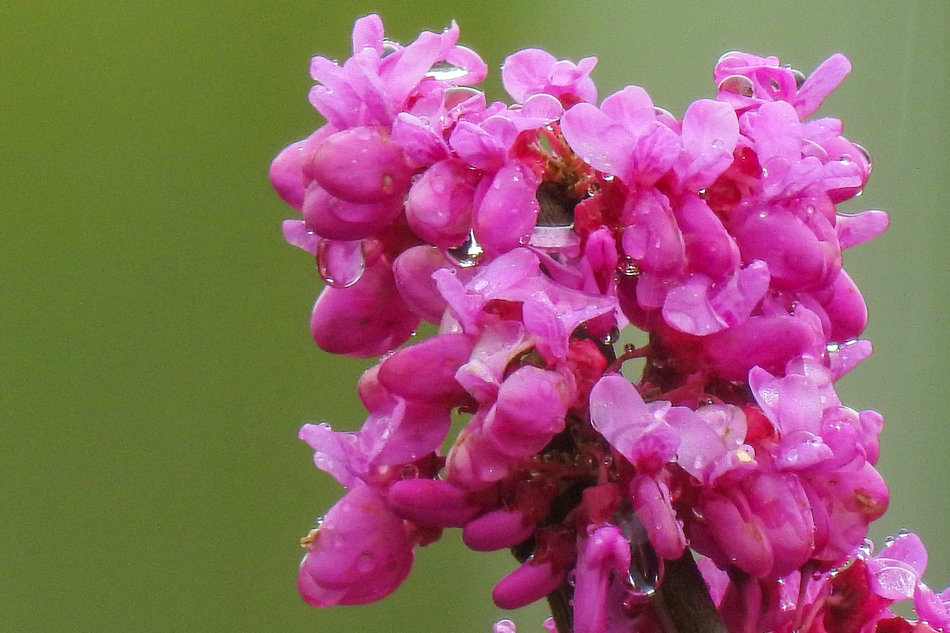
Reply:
x=468, y=254
x=798, y=75
x=457, y=95
x=610, y=337
x=646, y=568
x=737, y=84
x=390, y=47
x=628, y=268
x=340, y=264
x=444, y=71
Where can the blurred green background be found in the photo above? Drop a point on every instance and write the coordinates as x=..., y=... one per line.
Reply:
x=156, y=358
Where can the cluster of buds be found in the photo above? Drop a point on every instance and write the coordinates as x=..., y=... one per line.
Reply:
x=535, y=235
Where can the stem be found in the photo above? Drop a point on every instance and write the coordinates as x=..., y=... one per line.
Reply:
x=561, y=610
x=682, y=599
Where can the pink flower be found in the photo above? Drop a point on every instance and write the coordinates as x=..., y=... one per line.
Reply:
x=533, y=71
x=358, y=553
x=531, y=235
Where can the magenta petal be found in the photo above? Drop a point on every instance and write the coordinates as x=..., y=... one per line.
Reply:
x=474, y=463
x=631, y=106
x=526, y=72
x=368, y=33
x=286, y=173
x=798, y=257
x=526, y=584
x=361, y=164
x=654, y=154
x=509, y=209
x=618, y=412
x=425, y=371
x=907, y=548
x=652, y=236
x=421, y=144
x=845, y=308
x=439, y=208
x=651, y=502
x=931, y=607
x=630, y=426
x=737, y=537
x=358, y=554
x=468, y=59
x=297, y=234
x=700, y=307
x=709, y=246
x=820, y=83
x=339, y=219
x=860, y=227
x=604, y=555
x=530, y=410
x=413, y=270
x=766, y=341
x=600, y=141
x=335, y=453
x=431, y=502
x=367, y=319
x=843, y=357
x=477, y=147
x=710, y=133
x=496, y=530
x=409, y=65
x=403, y=432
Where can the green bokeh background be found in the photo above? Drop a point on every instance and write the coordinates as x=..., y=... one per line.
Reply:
x=156, y=358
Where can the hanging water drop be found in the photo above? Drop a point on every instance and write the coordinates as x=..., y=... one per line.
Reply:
x=737, y=84
x=340, y=263
x=444, y=71
x=468, y=254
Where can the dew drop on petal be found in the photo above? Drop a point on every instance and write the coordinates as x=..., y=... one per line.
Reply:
x=628, y=268
x=457, y=95
x=737, y=84
x=468, y=254
x=444, y=71
x=799, y=77
x=340, y=264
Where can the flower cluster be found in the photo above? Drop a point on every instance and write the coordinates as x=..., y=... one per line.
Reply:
x=532, y=234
